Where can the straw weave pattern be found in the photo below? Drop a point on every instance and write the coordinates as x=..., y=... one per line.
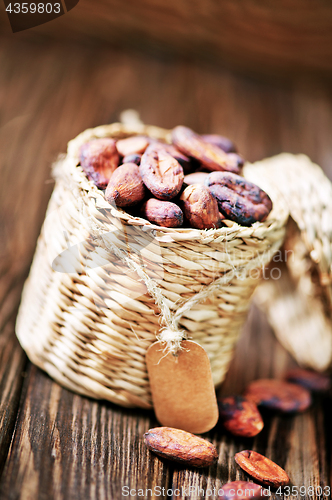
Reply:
x=299, y=305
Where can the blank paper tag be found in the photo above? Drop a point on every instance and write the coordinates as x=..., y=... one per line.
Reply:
x=182, y=388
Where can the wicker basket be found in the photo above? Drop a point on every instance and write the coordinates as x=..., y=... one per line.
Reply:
x=104, y=285
x=299, y=304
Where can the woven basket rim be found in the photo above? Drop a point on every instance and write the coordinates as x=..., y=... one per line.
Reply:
x=70, y=167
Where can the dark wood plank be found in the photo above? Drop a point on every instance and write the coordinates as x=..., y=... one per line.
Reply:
x=12, y=359
x=300, y=443
x=277, y=36
x=67, y=446
x=70, y=447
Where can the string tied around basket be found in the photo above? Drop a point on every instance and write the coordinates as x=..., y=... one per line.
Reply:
x=170, y=334
x=172, y=338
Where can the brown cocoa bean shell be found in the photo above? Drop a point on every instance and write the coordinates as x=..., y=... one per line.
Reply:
x=200, y=207
x=238, y=159
x=221, y=142
x=238, y=199
x=211, y=156
x=99, y=158
x=134, y=158
x=186, y=163
x=125, y=187
x=241, y=490
x=240, y=416
x=162, y=213
x=313, y=381
x=195, y=178
x=136, y=144
x=279, y=395
x=262, y=468
x=161, y=173
x=181, y=446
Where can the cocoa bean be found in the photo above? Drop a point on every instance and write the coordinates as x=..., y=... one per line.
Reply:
x=222, y=142
x=313, y=381
x=195, y=178
x=134, y=158
x=125, y=187
x=99, y=158
x=185, y=162
x=238, y=199
x=240, y=416
x=132, y=145
x=161, y=173
x=262, y=468
x=240, y=490
x=279, y=395
x=200, y=207
x=163, y=213
x=181, y=446
x=211, y=156
x=239, y=161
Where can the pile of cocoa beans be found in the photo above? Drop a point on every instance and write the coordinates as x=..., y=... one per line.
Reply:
x=193, y=182
x=240, y=416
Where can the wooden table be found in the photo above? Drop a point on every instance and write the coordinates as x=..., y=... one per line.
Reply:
x=56, y=444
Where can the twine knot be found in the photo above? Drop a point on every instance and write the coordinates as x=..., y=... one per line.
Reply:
x=172, y=339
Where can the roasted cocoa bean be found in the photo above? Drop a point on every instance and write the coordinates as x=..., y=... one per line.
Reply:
x=240, y=416
x=161, y=173
x=222, y=142
x=200, y=207
x=279, y=395
x=237, y=159
x=262, y=468
x=185, y=162
x=313, y=381
x=238, y=199
x=125, y=187
x=181, y=446
x=132, y=159
x=211, y=156
x=99, y=158
x=240, y=490
x=163, y=213
x=195, y=178
x=132, y=145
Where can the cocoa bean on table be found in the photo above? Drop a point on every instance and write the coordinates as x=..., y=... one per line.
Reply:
x=279, y=395
x=262, y=468
x=313, y=381
x=240, y=416
x=240, y=490
x=181, y=446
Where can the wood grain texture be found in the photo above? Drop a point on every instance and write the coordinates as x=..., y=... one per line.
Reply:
x=12, y=364
x=12, y=357
x=68, y=447
x=301, y=444
x=274, y=36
